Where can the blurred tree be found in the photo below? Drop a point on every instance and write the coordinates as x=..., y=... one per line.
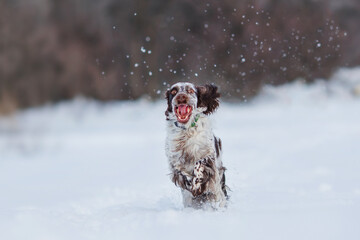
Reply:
x=52, y=50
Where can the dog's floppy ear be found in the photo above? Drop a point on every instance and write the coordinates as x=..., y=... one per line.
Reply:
x=169, y=99
x=208, y=97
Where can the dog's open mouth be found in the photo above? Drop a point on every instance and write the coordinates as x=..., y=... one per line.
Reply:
x=183, y=113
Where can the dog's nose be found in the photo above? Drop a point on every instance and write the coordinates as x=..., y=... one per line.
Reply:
x=181, y=99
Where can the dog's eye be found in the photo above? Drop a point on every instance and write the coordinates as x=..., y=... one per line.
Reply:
x=173, y=92
x=190, y=90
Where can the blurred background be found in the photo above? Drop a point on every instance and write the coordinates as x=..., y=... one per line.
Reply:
x=52, y=50
x=82, y=124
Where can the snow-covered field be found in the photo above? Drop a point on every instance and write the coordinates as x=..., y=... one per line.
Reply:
x=86, y=170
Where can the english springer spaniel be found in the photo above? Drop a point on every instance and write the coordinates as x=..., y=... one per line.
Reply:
x=194, y=152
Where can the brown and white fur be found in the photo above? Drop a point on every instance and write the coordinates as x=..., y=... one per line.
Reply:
x=193, y=151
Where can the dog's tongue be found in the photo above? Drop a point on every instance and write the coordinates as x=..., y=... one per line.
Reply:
x=183, y=109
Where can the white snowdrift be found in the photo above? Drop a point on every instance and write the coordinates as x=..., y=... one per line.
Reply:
x=86, y=170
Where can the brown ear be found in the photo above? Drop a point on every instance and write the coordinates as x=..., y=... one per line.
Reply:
x=169, y=99
x=208, y=97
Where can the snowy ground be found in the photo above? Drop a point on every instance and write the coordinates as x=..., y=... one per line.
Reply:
x=86, y=170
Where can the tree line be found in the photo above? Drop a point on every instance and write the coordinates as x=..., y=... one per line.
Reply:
x=51, y=50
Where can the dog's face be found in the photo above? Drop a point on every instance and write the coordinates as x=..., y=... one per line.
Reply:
x=185, y=99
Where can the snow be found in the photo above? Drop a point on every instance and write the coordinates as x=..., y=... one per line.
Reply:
x=87, y=170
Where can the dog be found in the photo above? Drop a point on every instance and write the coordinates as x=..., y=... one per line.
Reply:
x=193, y=151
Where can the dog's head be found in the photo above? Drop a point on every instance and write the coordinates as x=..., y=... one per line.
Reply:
x=186, y=100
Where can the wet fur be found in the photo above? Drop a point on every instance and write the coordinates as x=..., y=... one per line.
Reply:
x=194, y=153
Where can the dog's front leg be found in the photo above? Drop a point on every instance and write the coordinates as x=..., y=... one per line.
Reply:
x=182, y=180
x=204, y=176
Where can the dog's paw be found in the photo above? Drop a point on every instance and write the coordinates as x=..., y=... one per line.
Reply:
x=181, y=180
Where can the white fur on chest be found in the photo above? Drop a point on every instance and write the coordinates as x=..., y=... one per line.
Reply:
x=186, y=146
